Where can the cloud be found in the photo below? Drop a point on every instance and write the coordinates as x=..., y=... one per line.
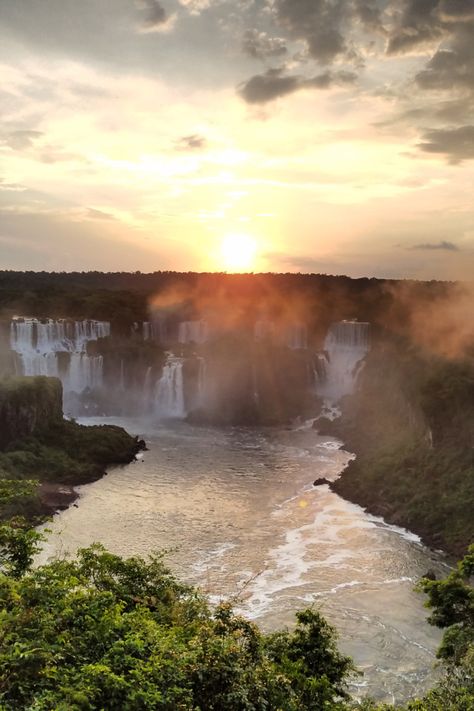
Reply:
x=317, y=22
x=457, y=9
x=261, y=46
x=443, y=245
x=418, y=23
x=370, y=14
x=271, y=85
x=20, y=140
x=456, y=143
x=155, y=16
x=451, y=68
x=192, y=142
x=11, y=187
x=195, y=7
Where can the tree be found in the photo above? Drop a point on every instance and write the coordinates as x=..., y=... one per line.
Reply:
x=103, y=632
x=452, y=603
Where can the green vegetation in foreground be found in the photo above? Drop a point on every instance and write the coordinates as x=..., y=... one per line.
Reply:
x=107, y=633
x=103, y=633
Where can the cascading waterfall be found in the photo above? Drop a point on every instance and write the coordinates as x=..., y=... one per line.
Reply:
x=319, y=371
x=193, y=332
x=170, y=390
x=122, y=375
x=256, y=396
x=202, y=381
x=346, y=345
x=147, y=388
x=57, y=348
x=296, y=336
x=155, y=330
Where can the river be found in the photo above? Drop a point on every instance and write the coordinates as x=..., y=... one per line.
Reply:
x=237, y=510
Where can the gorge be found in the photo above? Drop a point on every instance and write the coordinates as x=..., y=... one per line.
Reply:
x=239, y=510
x=239, y=423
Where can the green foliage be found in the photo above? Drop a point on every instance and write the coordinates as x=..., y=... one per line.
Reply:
x=67, y=452
x=19, y=543
x=452, y=603
x=101, y=632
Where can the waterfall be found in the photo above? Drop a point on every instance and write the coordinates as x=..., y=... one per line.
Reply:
x=147, y=331
x=296, y=336
x=122, y=375
x=170, y=390
x=83, y=372
x=201, y=386
x=193, y=332
x=319, y=368
x=147, y=389
x=41, y=345
x=155, y=330
x=256, y=396
x=346, y=345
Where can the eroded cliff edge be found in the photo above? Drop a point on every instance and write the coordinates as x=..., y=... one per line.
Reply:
x=411, y=424
x=38, y=444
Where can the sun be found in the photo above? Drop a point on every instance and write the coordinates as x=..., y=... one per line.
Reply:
x=238, y=252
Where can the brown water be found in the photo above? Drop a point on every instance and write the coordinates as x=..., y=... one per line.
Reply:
x=237, y=510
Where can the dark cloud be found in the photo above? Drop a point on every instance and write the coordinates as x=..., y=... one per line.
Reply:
x=261, y=46
x=457, y=144
x=451, y=68
x=262, y=88
x=369, y=13
x=455, y=110
x=457, y=9
x=20, y=140
x=155, y=15
x=419, y=22
x=443, y=245
x=317, y=22
x=269, y=86
x=192, y=142
x=452, y=111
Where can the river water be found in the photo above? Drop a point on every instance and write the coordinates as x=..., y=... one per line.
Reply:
x=240, y=517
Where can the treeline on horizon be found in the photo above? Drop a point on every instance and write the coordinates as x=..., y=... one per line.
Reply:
x=126, y=297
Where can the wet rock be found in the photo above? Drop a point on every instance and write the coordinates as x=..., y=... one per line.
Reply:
x=320, y=481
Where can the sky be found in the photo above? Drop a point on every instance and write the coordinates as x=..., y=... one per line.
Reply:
x=323, y=136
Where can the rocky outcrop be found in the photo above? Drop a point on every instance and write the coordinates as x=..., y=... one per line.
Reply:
x=27, y=404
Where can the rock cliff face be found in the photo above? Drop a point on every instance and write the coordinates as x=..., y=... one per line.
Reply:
x=27, y=404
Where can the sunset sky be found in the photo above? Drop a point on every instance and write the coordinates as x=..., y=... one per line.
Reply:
x=320, y=135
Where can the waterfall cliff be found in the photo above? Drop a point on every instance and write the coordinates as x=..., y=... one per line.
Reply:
x=193, y=332
x=296, y=336
x=346, y=345
x=58, y=348
x=169, y=401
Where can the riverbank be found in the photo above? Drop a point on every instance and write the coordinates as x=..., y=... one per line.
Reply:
x=54, y=453
x=80, y=455
x=411, y=425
